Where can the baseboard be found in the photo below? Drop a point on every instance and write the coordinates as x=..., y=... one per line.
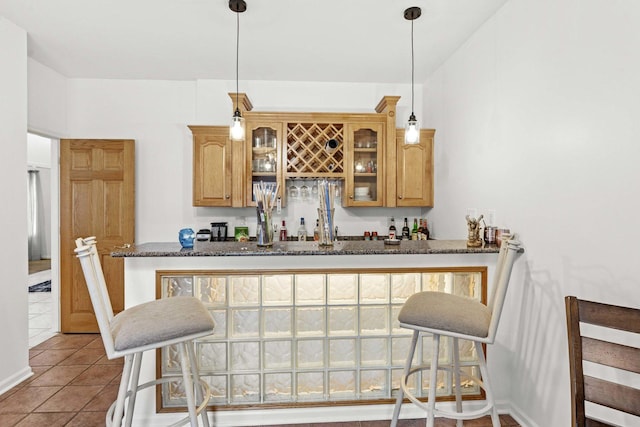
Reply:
x=517, y=414
x=15, y=379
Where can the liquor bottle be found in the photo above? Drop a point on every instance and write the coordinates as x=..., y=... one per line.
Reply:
x=425, y=230
x=316, y=231
x=283, y=232
x=406, y=234
x=302, y=231
x=414, y=230
x=420, y=230
x=392, y=229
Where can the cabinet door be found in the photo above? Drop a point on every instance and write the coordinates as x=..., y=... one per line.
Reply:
x=264, y=143
x=363, y=184
x=415, y=170
x=212, y=166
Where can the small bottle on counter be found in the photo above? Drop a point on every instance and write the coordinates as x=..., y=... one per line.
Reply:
x=392, y=229
x=316, y=231
x=283, y=232
x=374, y=235
x=406, y=234
x=367, y=235
x=425, y=230
x=302, y=231
x=414, y=231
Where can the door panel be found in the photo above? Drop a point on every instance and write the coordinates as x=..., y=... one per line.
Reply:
x=96, y=199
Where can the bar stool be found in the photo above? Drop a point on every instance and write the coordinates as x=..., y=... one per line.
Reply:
x=148, y=326
x=441, y=314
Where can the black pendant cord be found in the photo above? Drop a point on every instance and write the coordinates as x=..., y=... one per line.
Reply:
x=237, y=56
x=412, y=68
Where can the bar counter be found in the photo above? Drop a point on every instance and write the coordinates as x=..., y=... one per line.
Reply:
x=299, y=328
x=342, y=247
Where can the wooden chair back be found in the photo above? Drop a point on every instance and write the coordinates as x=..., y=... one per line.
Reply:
x=585, y=388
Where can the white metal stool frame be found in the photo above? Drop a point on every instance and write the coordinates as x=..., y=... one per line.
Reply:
x=89, y=259
x=508, y=250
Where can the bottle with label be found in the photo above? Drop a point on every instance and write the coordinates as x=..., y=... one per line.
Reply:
x=406, y=234
x=420, y=233
x=414, y=230
x=302, y=231
x=392, y=229
x=283, y=232
x=316, y=231
x=425, y=230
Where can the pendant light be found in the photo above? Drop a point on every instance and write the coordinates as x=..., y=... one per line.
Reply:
x=236, y=131
x=412, y=128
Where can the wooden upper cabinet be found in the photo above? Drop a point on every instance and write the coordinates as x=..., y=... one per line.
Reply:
x=213, y=167
x=414, y=178
x=364, y=157
x=263, y=145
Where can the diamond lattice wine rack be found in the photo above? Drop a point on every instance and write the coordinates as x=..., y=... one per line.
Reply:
x=306, y=153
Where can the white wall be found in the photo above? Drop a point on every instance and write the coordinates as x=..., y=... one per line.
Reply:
x=537, y=117
x=156, y=115
x=13, y=217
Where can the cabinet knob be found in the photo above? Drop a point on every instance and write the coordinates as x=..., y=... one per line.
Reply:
x=351, y=197
x=400, y=197
x=227, y=196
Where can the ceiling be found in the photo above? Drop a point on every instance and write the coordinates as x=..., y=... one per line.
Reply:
x=288, y=40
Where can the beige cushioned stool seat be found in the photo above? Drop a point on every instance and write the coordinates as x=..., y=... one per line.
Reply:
x=445, y=312
x=159, y=320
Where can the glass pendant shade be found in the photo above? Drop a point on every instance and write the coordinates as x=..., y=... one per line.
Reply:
x=236, y=131
x=412, y=131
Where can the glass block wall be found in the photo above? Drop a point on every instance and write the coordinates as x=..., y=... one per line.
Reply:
x=305, y=336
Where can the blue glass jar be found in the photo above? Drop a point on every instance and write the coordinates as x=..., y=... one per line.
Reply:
x=186, y=236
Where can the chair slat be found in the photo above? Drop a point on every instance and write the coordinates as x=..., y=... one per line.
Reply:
x=610, y=316
x=590, y=422
x=612, y=395
x=611, y=354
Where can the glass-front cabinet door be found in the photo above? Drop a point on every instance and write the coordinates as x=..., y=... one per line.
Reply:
x=264, y=148
x=365, y=148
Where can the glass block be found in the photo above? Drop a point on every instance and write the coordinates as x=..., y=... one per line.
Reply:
x=177, y=286
x=342, y=385
x=342, y=353
x=212, y=289
x=310, y=321
x=310, y=289
x=173, y=393
x=277, y=322
x=395, y=323
x=443, y=387
x=400, y=351
x=373, y=384
x=277, y=290
x=277, y=387
x=403, y=285
x=245, y=323
x=245, y=388
x=374, y=352
x=310, y=354
x=467, y=285
x=396, y=375
x=343, y=320
x=220, y=322
x=171, y=359
x=212, y=356
x=218, y=386
x=374, y=320
x=277, y=354
x=467, y=351
x=435, y=282
x=245, y=356
x=343, y=288
x=244, y=290
x=374, y=288
x=310, y=386
x=467, y=385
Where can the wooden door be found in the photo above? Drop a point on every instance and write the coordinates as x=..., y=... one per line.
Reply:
x=414, y=182
x=97, y=198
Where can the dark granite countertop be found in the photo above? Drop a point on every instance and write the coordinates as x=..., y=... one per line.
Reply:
x=346, y=247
